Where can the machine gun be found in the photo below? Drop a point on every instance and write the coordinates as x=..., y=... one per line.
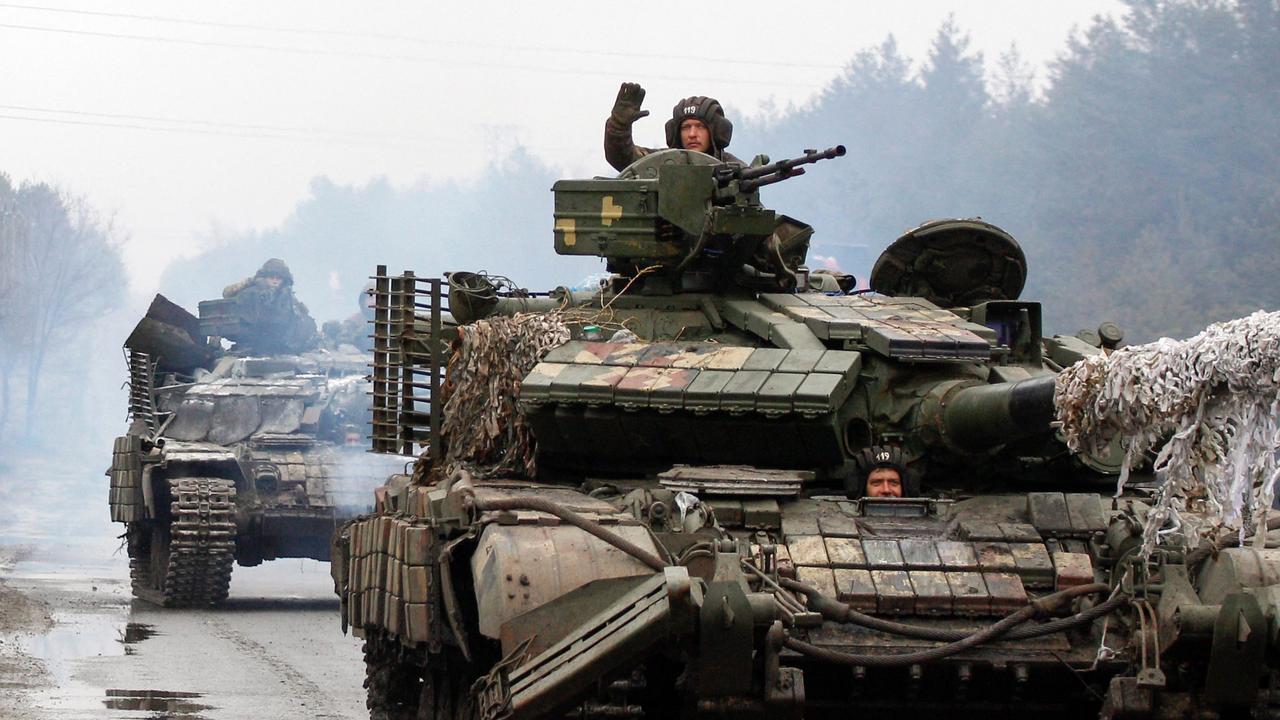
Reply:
x=755, y=177
x=673, y=209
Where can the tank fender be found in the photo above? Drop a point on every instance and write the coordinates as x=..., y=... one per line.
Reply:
x=202, y=458
x=148, y=493
x=517, y=568
x=657, y=608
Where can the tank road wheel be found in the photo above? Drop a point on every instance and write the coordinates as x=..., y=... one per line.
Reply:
x=391, y=678
x=184, y=558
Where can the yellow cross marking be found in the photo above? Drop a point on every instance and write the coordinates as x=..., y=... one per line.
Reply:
x=608, y=211
x=569, y=227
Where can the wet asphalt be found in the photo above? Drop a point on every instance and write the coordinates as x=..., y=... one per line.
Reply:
x=274, y=650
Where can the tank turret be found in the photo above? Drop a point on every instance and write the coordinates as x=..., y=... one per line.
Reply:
x=797, y=379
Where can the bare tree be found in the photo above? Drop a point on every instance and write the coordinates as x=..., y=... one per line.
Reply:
x=62, y=270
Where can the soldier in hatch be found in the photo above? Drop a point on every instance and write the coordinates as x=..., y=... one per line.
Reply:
x=884, y=474
x=697, y=123
x=275, y=321
x=355, y=329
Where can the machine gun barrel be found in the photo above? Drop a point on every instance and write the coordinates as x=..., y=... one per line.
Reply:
x=754, y=177
x=984, y=416
x=784, y=166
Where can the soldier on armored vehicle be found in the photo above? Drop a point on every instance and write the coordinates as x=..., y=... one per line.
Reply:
x=354, y=330
x=274, y=320
x=697, y=124
x=884, y=473
x=679, y=524
x=235, y=456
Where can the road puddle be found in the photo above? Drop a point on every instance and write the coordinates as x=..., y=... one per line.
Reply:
x=165, y=704
x=76, y=636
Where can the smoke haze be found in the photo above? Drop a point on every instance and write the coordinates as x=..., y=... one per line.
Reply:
x=1136, y=160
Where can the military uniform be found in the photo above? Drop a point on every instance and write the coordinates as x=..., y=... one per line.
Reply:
x=275, y=321
x=355, y=329
x=621, y=151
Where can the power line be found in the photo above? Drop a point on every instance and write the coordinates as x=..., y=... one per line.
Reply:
x=216, y=124
x=200, y=131
x=423, y=142
x=382, y=56
x=411, y=39
x=220, y=44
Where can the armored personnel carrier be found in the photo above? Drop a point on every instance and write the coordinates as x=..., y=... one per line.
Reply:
x=672, y=520
x=233, y=456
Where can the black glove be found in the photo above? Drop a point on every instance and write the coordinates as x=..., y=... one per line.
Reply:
x=626, y=109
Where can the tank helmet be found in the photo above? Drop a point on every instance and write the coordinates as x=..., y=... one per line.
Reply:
x=882, y=456
x=709, y=112
x=275, y=267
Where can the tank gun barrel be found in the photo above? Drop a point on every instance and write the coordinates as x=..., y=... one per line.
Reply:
x=754, y=177
x=983, y=416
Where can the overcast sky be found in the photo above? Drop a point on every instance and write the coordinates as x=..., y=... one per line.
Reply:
x=182, y=116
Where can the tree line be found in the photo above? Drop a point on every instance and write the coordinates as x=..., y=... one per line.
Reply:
x=1142, y=181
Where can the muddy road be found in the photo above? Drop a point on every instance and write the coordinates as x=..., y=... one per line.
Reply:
x=75, y=644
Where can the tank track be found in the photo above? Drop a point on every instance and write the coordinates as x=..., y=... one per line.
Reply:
x=391, y=679
x=202, y=546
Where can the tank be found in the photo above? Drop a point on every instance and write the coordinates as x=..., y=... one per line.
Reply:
x=233, y=456
x=647, y=499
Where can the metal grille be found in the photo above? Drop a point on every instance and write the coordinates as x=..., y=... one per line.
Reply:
x=142, y=397
x=409, y=353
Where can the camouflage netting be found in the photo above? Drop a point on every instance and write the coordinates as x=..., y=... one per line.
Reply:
x=484, y=428
x=1208, y=407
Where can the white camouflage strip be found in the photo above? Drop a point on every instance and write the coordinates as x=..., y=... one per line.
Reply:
x=1208, y=407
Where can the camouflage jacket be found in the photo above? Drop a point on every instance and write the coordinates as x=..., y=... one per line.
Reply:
x=234, y=288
